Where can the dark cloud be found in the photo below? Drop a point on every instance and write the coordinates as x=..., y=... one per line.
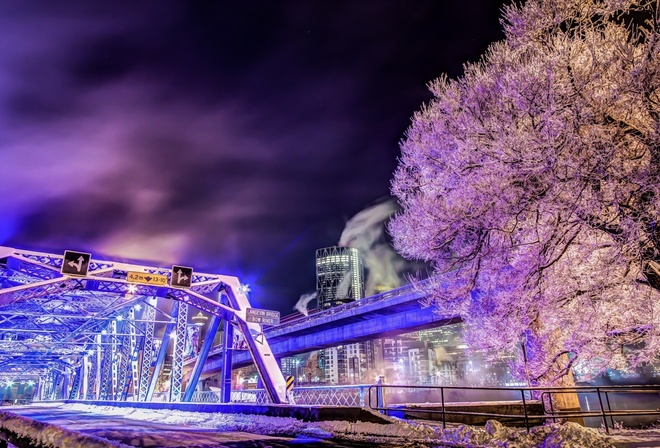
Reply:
x=235, y=137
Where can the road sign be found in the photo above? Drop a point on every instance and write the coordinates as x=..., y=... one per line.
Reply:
x=75, y=263
x=181, y=276
x=266, y=317
x=146, y=279
x=289, y=383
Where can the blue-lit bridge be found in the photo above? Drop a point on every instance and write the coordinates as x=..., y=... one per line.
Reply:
x=103, y=333
x=383, y=315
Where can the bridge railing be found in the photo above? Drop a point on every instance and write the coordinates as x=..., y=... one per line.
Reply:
x=608, y=406
x=351, y=395
x=350, y=305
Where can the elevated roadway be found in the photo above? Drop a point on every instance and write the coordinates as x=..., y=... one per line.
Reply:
x=382, y=315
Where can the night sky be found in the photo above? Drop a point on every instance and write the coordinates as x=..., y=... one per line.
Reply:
x=233, y=137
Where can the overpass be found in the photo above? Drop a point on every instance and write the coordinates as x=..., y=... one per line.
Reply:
x=382, y=315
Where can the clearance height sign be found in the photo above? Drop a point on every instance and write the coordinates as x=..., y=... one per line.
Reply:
x=146, y=279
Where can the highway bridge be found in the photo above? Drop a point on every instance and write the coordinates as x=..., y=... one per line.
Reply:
x=382, y=315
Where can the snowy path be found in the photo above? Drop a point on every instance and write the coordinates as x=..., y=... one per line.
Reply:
x=169, y=429
x=141, y=433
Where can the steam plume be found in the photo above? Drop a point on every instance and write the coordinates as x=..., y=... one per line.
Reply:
x=303, y=302
x=366, y=232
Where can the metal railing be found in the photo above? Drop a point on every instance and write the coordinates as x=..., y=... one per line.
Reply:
x=401, y=399
x=352, y=395
x=346, y=306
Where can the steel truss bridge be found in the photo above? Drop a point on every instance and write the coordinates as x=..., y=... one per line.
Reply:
x=92, y=336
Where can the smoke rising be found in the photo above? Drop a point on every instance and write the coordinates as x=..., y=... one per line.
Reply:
x=385, y=269
x=345, y=285
x=303, y=303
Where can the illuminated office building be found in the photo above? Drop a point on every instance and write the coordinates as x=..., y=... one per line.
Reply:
x=340, y=279
x=339, y=276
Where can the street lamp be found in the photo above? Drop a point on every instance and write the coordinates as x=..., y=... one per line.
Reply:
x=297, y=364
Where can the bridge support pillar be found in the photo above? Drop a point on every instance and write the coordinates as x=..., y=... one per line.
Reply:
x=227, y=351
x=65, y=385
x=201, y=359
x=97, y=367
x=148, y=316
x=176, y=377
x=161, y=354
x=85, y=378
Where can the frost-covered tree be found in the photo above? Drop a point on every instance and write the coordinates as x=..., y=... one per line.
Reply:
x=532, y=183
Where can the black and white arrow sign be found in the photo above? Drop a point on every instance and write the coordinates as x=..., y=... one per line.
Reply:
x=75, y=263
x=181, y=276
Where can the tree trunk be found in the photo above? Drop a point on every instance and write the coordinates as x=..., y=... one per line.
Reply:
x=567, y=402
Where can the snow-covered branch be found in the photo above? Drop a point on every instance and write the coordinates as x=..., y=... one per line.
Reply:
x=535, y=179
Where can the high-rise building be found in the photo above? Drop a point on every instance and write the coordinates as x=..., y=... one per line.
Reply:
x=405, y=359
x=340, y=279
x=339, y=276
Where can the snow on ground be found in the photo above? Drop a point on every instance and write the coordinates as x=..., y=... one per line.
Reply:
x=41, y=434
x=398, y=433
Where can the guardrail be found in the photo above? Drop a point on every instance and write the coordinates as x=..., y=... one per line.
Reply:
x=346, y=306
x=396, y=400
x=351, y=395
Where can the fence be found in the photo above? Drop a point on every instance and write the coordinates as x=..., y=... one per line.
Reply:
x=612, y=402
x=353, y=395
x=606, y=405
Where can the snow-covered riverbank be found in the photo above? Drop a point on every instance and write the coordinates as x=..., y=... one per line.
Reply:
x=398, y=433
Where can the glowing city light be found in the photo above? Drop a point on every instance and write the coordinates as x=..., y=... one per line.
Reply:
x=244, y=288
x=132, y=289
x=199, y=319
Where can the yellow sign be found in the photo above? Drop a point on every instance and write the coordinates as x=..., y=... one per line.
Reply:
x=146, y=279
